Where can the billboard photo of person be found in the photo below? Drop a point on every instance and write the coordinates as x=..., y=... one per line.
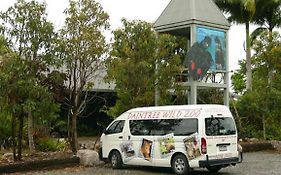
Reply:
x=219, y=56
x=199, y=59
x=217, y=48
x=207, y=54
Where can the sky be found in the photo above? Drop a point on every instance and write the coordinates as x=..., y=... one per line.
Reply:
x=147, y=10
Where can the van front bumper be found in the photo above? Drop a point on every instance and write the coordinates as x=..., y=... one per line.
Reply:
x=216, y=162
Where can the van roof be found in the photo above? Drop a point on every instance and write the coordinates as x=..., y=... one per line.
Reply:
x=209, y=109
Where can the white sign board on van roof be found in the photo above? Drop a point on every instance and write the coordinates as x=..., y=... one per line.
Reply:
x=178, y=111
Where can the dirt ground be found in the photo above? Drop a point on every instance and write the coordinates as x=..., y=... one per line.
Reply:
x=6, y=156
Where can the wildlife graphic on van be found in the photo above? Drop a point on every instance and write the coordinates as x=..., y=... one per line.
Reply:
x=167, y=145
x=127, y=149
x=192, y=147
x=146, y=149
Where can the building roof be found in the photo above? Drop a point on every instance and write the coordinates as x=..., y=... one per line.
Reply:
x=180, y=14
x=99, y=84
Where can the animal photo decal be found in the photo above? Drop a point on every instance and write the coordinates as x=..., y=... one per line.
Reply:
x=208, y=53
x=128, y=150
x=146, y=149
x=167, y=145
x=192, y=147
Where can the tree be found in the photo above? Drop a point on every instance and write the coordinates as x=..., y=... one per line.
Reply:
x=32, y=37
x=140, y=62
x=268, y=14
x=266, y=61
x=241, y=12
x=261, y=107
x=5, y=129
x=82, y=48
x=21, y=94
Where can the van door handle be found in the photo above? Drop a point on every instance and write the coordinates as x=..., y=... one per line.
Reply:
x=120, y=137
x=129, y=137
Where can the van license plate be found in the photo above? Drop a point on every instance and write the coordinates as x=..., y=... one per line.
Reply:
x=223, y=148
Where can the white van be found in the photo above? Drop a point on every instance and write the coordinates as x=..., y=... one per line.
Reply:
x=182, y=137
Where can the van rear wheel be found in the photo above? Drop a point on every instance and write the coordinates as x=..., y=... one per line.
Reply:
x=214, y=169
x=116, y=160
x=180, y=164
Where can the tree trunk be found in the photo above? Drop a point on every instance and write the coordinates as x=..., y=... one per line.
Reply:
x=20, y=137
x=240, y=128
x=74, y=142
x=269, y=63
x=248, y=59
x=14, y=137
x=263, y=127
x=76, y=98
x=69, y=128
x=30, y=133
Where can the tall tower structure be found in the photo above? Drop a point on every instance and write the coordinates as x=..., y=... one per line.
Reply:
x=206, y=30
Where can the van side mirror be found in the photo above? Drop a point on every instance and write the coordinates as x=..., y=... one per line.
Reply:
x=105, y=131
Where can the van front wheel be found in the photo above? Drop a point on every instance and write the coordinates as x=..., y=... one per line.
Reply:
x=180, y=164
x=116, y=160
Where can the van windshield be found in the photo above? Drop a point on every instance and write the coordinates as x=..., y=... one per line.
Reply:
x=217, y=126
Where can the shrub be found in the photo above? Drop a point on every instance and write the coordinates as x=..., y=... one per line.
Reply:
x=51, y=144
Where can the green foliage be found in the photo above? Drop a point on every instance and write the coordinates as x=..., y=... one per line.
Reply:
x=27, y=29
x=260, y=109
x=22, y=92
x=239, y=11
x=82, y=46
x=31, y=38
x=136, y=51
x=268, y=13
x=253, y=106
x=50, y=144
x=5, y=125
x=239, y=79
x=210, y=96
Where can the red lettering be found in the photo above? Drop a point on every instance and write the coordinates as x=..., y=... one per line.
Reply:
x=192, y=113
x=140, y=115
x=166, y=114
x=179, y=114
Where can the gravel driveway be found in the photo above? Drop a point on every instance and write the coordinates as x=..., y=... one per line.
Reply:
x=256, y=163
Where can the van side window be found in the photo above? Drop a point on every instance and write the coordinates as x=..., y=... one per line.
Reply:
x=141, y=127
x=116, y=127
x=180, y=127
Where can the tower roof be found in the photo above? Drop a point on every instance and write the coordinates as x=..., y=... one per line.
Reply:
x=180, y=14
